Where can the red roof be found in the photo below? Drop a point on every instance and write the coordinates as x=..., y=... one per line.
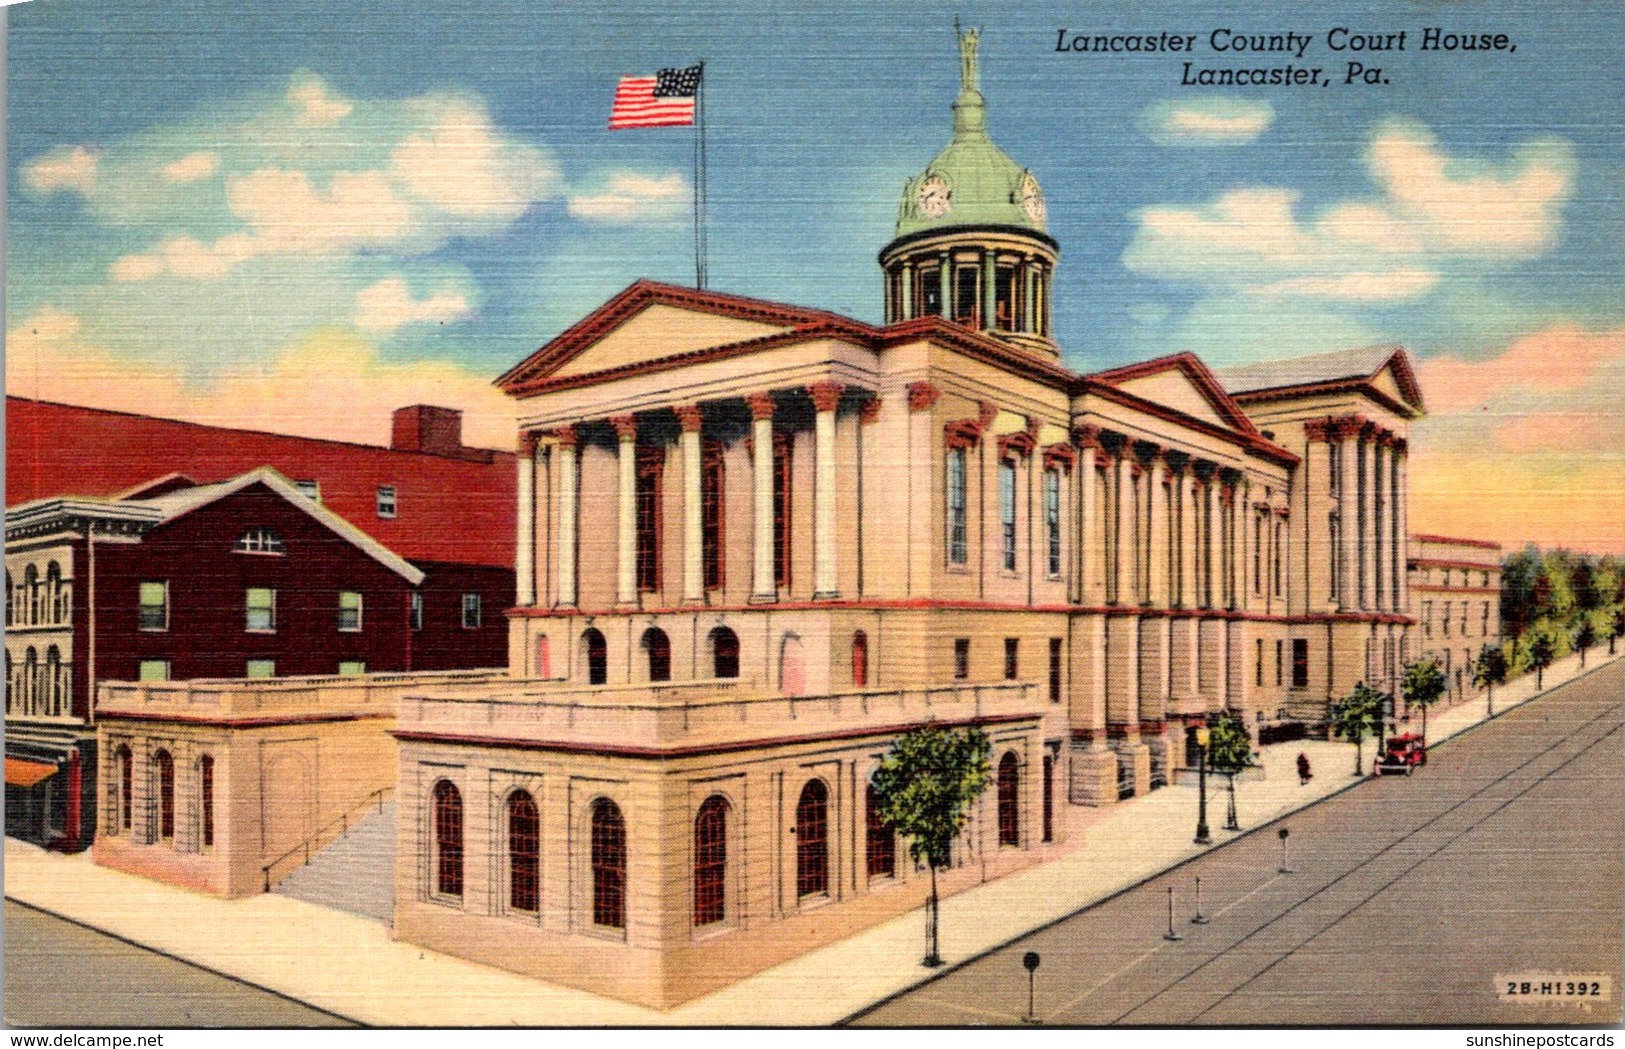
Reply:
x=456, y=509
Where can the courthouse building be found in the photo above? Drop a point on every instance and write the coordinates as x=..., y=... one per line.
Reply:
x=756, y=542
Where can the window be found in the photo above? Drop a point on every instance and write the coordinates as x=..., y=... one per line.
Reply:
x=879, y=841
x=812, y=840
x=1484, y=620
x=967, y=295
x=205, y=790
x=1049, y=798
x=1054, y=670
x=1012, y=661
x=1464, y=619
x=349, y=610
x=961, y=658
x=126, y=786
x=1427, y=618
x=711, y=861
x=608, y=865
x=712, y=515
x=414, y=611
x=1276, y=553
x=1258, y=667
x=261, y=607
x=1258, y=554
x=782, y=478
x=1009, y=800
x=11, y=601
x=33, y=597
x=658, y=646
x=448, y=839
x=259, y=541
x=260, y=668
x=1300, y=662
x=958, y=545
x=310, y=490
x=57, y=593
x=1445, y=618
x=646, y=496
x=54, y=690
x=152, y=670
x=1007, y=513
x=166, y=794
x=351, y=668
x=386, y=500
x=524, y=853
x=471, y=611
x=154, y=610
x=860, y=660
x=724, y=653
x=1279, y=659
x=1052, y=519
x=596, y=652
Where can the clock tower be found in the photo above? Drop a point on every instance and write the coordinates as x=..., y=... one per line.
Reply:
x=970, y=243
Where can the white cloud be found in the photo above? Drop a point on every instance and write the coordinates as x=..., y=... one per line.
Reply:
x=66, y=167
x=315, y=105
x=1356, y=287
x=387, y=305
x=460, y=165
x=194, y=167
x=1206, y=122
x=631, y=197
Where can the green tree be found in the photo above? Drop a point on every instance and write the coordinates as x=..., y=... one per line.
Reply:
x=1585, y=635
x=1616, y=629
x=1489, y=670
x=1356, y=717
x=1518, y=573
x=1423, y=684
x=1542, y=650
x=1229, y=750
x=925, y=787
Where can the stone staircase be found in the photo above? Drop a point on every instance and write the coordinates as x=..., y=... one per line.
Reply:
x=355, y=873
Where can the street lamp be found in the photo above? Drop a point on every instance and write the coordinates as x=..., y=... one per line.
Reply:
x=1202, y=837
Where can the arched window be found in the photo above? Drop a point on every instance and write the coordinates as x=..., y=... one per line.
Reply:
x=53, y=681
x=711, y=861
x=812, y=840
x=860, y=660
x=30, y=680
x=53, y=593
x=658, y=645
x=448, y=839
x=126, y=783
x=608, y=865
x=880, y=843
x=1049, y=798
x=1009, y=808
x=724, y=652
x=205, y=792
x=524, y=853
x=166, y=794
x=596, y=653
x=11, y=601
x=31, y=596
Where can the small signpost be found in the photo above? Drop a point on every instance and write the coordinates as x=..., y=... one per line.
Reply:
x=1282, y=834
x=1171, y=936
x=1200, y=918
x=1029, y=961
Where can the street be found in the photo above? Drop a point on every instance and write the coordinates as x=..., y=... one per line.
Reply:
x=1407, y=900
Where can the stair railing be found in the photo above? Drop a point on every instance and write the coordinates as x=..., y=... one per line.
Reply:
x=376, y=798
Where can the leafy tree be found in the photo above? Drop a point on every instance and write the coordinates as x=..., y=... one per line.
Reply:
x=1616, y=629
x=1356, y=717
x=1489, y=670
x=1423, y=684
x=1518, y=571
x=925, y=787
x=1542, y=650
x=1585, y=635
x=1229, y=750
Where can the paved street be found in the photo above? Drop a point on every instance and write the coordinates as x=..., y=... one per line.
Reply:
x=118, y=983
x=1408, y=897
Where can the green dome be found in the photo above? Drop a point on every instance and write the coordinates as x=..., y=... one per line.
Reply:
x=972, y=182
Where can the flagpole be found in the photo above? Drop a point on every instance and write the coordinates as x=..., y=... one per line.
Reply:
x=700, y=188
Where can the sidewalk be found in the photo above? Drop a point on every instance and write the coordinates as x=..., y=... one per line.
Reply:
x=348, y=965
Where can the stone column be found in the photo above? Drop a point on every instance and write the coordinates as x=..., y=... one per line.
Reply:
x=1186, y=597
x=1122, y=568
x=945, y=284
x=1159, y=507
x=826, y=396
x=1029, y=288
x=1241, y=511
x=1087, y=541
x=1348, y=513
x=690, y=420
x=1379, y=521
x=524, y=548
x=626, y=585
x=1368, y=528
x=568, y=439
x=1215, y=545
x=1401, y=500
x=989, y=291
x=906, y=293
x=763, y=585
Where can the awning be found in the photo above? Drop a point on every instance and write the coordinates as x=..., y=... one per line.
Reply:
x=21, y=773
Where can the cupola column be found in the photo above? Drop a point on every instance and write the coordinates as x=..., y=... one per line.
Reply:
x=626, y=433
x=945, y=285
x=567, y=516
x=764, y=587
x=689, y=419
x=990, y=291
x=905, y=293
x=826, y=397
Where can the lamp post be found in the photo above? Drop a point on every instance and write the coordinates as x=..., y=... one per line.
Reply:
x=1202, y=837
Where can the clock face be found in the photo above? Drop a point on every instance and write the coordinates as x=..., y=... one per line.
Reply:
x=1032, y=199
x=934, y=196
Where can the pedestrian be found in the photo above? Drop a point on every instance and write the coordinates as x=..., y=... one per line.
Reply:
x=1304, y=775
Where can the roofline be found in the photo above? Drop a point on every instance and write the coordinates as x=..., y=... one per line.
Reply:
x=1193, y=367
x=1398, y=356
x=1364, y=386
x=906, y=239
x=40, y=510
x=1483, y=544
x=1255, y=443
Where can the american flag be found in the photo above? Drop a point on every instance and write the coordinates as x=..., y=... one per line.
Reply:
x=663, y=100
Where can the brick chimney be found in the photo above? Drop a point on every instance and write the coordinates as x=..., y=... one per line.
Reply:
x=426, y=428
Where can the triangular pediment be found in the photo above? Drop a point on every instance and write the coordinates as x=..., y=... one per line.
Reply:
x=1174, y=389
x=661, y=331
x=1184, y=384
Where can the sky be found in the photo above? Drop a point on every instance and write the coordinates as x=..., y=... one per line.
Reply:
x=300, y=216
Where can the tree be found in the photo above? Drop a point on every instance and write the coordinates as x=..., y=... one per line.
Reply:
x=1541, y=653
x=1356, y=717
x=1489, y=670
x=1585, y=635
x=1423, y=684
x=925, y=787
x=1229, y=750
x=1617, y=628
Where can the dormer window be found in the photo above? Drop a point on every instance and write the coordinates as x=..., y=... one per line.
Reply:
x=386, y=500
x=310, y=490
x=259, y=541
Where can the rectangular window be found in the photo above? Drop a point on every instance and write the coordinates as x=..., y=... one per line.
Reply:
x=1258, y=554
x=414, y=611
x=1052, y=520
x=154, y=613
x=1276, y=553
x=310, y=490
x=782, y=477
x=1300, y=662
x=650, y=466
x=968, y=295
x=261, y=605
x=1054, y=670
x=961, y=658
x=1464, y=619
x=1427, y=618
x=1012, y=661
x=1445, y=618
x=349, y=610
x=260, y=668
x=153, y=670
x=958, y=545
x=1484, y=620
x=928, y=290
x=471, y=611
x=386, y=500
x=1007, y=513
x=1278, y=661
x=352, y=668
x=1258, y=667
x=712, y=515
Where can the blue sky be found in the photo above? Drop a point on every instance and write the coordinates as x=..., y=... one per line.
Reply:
x=211, y=193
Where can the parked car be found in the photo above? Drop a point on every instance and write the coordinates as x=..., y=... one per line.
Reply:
x=1404, y=754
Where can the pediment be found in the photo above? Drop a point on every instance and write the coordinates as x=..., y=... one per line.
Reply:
x=659, y=331
x=1175, y=389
